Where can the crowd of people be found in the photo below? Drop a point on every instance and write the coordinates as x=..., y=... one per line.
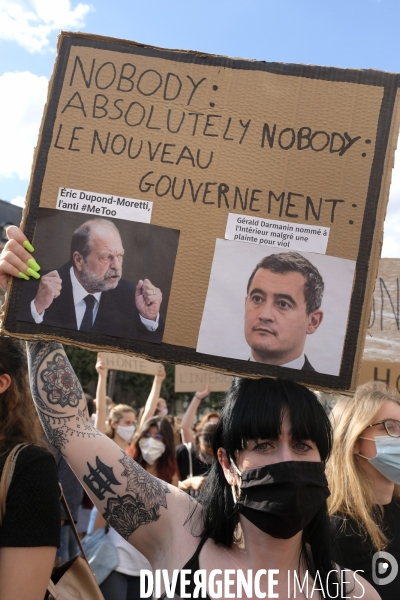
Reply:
x=271, y=481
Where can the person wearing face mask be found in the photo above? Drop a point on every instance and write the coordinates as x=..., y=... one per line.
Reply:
x=364, y=475
x=154, y=449
x=277, y=435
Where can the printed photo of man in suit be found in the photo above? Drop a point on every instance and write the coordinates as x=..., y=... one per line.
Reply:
x=282, y=307
x=88, y=293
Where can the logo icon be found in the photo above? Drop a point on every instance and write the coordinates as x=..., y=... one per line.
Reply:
x=384, y=568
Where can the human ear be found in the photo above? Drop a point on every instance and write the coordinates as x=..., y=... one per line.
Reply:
x=315, y=320
x=5, y=382
x=226, y=466
x=78, y=260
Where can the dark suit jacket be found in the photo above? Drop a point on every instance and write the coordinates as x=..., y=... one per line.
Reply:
x=307, y=365
x=117, y=314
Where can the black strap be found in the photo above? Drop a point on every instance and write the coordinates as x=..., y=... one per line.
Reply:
x=196, y=554
x=87, y=321
x=188, y=565
x=72, y=523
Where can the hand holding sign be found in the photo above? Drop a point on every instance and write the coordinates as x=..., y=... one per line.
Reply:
x=148, y=299
x=161, y=374
x=15, y=260
x=101, y=365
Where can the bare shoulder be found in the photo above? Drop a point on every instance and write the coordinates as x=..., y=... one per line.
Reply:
x=362, y=588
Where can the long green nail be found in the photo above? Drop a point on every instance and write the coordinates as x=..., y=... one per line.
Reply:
x=23, y=276
x=33, y=273
x=33, y=264
x=28, y=246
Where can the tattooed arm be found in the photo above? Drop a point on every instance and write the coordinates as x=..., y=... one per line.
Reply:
x=143, y=509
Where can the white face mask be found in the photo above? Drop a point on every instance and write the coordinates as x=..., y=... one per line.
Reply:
x=387, y=459
x=162, y=412
x=151, y=449
x=126, y=432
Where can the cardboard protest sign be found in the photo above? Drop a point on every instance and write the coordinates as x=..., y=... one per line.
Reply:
x=388, y=373
x=381, y=361
x=184, y=158
x=132, y=364
x=191, y=379
x=383, y=336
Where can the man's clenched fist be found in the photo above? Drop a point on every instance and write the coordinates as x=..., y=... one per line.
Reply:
x=148, y=299
x=49, y=289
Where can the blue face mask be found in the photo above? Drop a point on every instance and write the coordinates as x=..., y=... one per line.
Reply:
x=387, y=459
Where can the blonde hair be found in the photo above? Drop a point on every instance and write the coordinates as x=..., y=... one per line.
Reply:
x=115, y=415
x=351, y=493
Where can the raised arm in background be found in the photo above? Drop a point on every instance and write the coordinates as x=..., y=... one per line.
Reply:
x=143, y=509
x=154, y=396
x=190, y=414
x=101, y=392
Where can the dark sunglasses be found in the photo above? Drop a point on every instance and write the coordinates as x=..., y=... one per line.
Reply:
x=392, y=427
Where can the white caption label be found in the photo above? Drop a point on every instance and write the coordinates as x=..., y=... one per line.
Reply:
x=277, y=234
x=104, y=205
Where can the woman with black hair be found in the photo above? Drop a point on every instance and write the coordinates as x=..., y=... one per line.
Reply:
x=264, y=505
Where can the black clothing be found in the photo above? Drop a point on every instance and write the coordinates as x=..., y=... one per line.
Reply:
x=193, y=565
x=282, y=499
x=182, y=458
x=73, y=491
x=117, y=314
x=121, y=586
x=307, y=365
x=32, y=515
x=356, y=552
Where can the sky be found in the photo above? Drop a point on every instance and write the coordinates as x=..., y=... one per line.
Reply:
x=342, y=33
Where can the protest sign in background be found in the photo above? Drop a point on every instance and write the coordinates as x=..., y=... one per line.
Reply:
x=381, y=361
x=191, y=379
x=132, y=364
x=202, y=137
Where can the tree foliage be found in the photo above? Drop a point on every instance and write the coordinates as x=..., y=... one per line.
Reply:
x=134, y=388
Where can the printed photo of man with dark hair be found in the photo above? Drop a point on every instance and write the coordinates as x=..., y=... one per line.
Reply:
x=282, y=307
x=288, y=309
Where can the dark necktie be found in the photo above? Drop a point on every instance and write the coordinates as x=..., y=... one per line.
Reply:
x=87, y=321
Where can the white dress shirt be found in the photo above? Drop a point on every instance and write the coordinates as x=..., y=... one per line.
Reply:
x=297, y=363
x=79, y=294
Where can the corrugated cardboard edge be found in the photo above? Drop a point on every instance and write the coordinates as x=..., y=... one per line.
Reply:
x=378, y=237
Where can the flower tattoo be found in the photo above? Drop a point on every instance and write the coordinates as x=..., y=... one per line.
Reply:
x=125, y=514
x=60, y=382
x=152, y=490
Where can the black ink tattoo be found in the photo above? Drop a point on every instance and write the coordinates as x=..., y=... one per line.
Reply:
x=126, y=514
x=60, y=382
x=142, y=505
x=100, y=479
x=149, y=490
x=57, y=394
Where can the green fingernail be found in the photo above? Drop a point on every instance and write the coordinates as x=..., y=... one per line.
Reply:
x=33, y=264
x=33, y=273
x=23, y=276
x=28, y=246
